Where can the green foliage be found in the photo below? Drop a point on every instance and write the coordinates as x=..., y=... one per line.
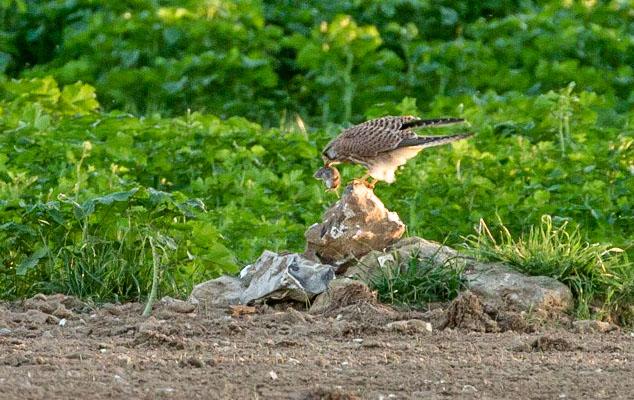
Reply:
x=419, y=281
x=600, y=276
x=105, y=247
x=328, y=61
x=153, y=56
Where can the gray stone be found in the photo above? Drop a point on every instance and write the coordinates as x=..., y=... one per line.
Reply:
x=397, y=255
x=501, y=287
x=407, y=248
x=355, y=225
x=219, y=292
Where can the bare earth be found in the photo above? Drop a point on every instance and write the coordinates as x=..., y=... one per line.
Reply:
x=113, y=352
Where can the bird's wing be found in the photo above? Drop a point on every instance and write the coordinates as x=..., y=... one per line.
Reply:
x=374, y=136
x=431, y=141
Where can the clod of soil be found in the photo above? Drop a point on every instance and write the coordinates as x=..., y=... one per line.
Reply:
x=466, y=312
x=341, y=294
x=326, y=394
x=550, y=343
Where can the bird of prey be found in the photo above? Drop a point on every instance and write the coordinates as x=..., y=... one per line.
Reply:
x=381, y=145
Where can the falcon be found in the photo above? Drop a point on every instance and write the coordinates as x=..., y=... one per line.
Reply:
x=381, y=145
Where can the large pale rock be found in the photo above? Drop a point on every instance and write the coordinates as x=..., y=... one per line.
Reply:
x=357, y=224
x=288, y=276
x=272, y=276
x=501, y=287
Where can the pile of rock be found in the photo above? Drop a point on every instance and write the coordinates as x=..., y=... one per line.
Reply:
x=357, y=224
x=357, y=238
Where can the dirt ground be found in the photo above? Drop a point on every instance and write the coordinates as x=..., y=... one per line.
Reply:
x=57, y=348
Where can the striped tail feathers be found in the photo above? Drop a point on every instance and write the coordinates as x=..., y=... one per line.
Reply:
x=421, y=123
x=432, y=141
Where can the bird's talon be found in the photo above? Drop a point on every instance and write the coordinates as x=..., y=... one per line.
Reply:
x=370, y=184
x=364, y=182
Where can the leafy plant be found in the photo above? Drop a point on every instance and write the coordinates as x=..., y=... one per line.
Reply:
x=600, y=276
x=106, y=247
x=257, y=59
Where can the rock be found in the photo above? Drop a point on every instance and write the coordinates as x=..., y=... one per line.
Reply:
x=342, y=292
x=503, y=288
x=55, y=304
x=409, y=326
x=370, y=266
x=407, y=248
x=219, y=292
x=357, y=224
x=178, y=306
x=551, y=343
x=499, y=286
x=39, y=317
x=272, y=276
x=289, y=276
x=591, y=326
x=5, y=331
x=62, y=312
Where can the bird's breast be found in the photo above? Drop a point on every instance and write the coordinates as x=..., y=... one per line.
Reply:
x=384, y=165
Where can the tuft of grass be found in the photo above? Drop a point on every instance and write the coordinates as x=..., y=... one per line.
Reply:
x=419, y=281
x=600, y=276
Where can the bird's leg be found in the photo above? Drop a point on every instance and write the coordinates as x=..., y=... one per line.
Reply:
x=364, y=181
x=371, y=185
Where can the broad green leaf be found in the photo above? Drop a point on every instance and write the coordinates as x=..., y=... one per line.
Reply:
x=31, y=261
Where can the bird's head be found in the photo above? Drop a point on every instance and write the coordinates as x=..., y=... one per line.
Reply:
x=329, y=155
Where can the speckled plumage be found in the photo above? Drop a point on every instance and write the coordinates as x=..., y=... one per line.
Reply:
x=384, y=144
